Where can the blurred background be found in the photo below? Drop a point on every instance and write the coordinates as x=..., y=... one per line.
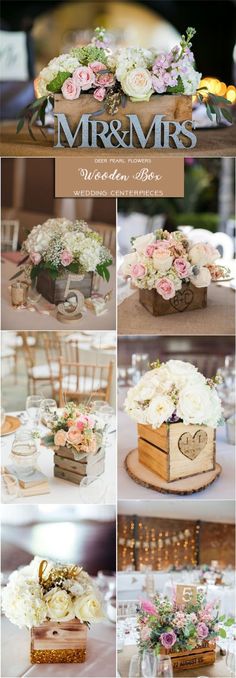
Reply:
x=46, y=29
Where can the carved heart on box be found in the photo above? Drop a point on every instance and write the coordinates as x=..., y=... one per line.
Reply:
x=191, y=446
x=182, y=300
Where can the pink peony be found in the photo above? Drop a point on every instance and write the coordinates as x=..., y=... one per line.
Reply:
x=84, y=77
x=165, y=288
x=202, y=631
x=138, y=271
x=99, y=93
x=60, y=437
x=97, y=66
x=74, y=436
x=104, y=79
x=66, y=258
x=182, y=267
x=168, y=639
x=70, y=89
x=148, y=607
x=35, y=257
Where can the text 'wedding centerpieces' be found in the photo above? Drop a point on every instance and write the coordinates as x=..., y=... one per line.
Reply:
x=149, y=91
x=78, y=440
x=58, y=602
x=172, y=274
x=187, y=632
x=60, y=247
x=177, y=410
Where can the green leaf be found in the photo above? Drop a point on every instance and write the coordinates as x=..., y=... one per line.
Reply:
x=229, y=621
x=227, y=114
x=73, y=267
x=221, y=619
x=20, y=125
x=177, y=89
x=38, y=102
x=209, y=111
x=222, y=633
x=56, y=84
x=16, y=275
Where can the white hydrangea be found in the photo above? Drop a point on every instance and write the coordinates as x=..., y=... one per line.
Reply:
x=64, y=62
x=89, y=255
x=128, y=58
x=22, y=601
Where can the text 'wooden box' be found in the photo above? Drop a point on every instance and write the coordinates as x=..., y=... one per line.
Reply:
x=192, y=659
x=189, y=298
x=176, y=451
x=58, y=642
x=54, y=290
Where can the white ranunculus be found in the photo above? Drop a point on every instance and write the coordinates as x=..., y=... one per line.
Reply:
x=137, y=84
x=88, y=608
x=59, y=605
x=160, y=409
x=142, y=241
x=22, y=601
x=195, y=405
x=202, y=279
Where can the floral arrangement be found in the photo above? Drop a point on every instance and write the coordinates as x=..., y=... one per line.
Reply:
x=112, y=77
x=163, y=261
x=163, y=625
x=76, y=427
x=174, y=391
x=59, y=245
x=49, y=591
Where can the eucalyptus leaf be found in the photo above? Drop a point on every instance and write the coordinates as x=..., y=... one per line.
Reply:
x=222, y=633
x=20, y=125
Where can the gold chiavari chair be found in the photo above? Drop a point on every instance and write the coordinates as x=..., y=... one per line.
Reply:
x=37, y=374
x=78, y=381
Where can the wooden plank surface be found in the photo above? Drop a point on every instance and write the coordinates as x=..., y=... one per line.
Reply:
x=62, y=635
x=153, y=458
x=189, y=298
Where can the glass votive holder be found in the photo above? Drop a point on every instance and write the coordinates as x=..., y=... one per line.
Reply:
x=24, y=454
x=19, y=293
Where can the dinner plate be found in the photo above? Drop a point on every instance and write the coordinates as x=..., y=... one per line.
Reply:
x=11, y=424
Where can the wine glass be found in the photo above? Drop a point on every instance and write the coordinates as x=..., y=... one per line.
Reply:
x=135, y=666
x=48, y=409
x=149, y=664
x=164, y=667
x=33, y=410
x=9, y=488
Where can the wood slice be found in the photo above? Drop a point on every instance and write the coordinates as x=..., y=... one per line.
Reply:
x=145, y=477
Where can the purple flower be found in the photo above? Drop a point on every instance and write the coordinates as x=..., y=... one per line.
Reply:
x=168, y=639
x=202, y=630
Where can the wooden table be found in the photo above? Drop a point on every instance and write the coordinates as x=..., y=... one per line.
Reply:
x=216, y=319
x=217, y=670
x=219, y=142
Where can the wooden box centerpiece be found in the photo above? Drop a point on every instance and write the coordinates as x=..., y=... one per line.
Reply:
x=54, y=290
x=189, y=298
x=67, y=467
x=58, y=642
x=185, y=660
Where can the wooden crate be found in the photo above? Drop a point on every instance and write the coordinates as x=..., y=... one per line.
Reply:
x=54, y=290
x=189, y=298
x=58, y=642
x=176, y=451
x=192, y=659
x=73, y=470
x=176, y=107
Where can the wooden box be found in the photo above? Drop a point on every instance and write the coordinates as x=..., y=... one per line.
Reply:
x=54, y=290
x=176, y=451
x=58, y=642
x=189, y=298
x=176, y=107
x=187, y=660
x=73, y=470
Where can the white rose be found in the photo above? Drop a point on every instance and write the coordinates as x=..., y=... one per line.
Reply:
x=215, y=412
x=203, y=253
x=88, y=608
x=137, y=84
x=195, y=404
x=59, y=605
x=143, y=241
x=129, y=260
x=160, y=409
x=202, y=279
x=162, y=261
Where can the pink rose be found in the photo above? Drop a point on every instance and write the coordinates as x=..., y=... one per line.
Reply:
x=148, y=607
x=70, y=89
x=91, y=446
x=105, y=79
x=97, y=66
x=84, y=421
x=35, y=257
x=138, y=271
x=84, y=77
x=66, y=258
x=74, y=436
x=149, y=250
x=165, y=288
x=99, y=93
x=182, y=267
x=60, y=437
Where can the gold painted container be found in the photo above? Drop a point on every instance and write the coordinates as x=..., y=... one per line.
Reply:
x=59, y=643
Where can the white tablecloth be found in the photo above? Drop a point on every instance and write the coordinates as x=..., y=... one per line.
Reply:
x=101, y=659
x=222, y=488
x=26, y=320
x=101, y=491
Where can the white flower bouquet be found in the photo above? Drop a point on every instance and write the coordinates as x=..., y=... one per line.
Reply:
x=49, y=591
x=113, y=78
x=163, y=261
x=173, y=392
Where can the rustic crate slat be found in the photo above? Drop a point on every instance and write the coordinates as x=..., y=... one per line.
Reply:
x=177, y=451
x=190, y=659
x=189, y=298
x=53, y=642
x=54, y=290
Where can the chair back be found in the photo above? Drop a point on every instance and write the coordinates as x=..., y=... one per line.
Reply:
x=80, y=382
x=53, y=350
x=9, y=234
x=28, y=350
x=108, y=233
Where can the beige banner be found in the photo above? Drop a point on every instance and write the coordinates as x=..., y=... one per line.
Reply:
x=109, y=176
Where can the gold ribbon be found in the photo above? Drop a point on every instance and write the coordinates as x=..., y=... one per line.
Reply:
x=42, y=568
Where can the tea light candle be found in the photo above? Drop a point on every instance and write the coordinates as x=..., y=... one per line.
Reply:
x=19, y=293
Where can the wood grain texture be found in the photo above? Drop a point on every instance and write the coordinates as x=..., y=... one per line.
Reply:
x=192, y=659
x=147, y=478
x=189, y=298
x=54, y=290
x=59, y=636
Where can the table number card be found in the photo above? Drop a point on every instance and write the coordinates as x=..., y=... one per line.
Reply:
x=14, y=56
x=185, y=594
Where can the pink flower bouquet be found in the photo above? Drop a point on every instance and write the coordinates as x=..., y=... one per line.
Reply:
x=75, y=427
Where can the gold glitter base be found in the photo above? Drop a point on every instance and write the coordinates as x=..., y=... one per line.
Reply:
x=58, y=656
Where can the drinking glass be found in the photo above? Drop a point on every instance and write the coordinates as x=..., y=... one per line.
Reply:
x=24, y=453
x=33, y=410
x=135, y=666
x=164, y=667
x=149, y=664
x=9, y=488
x=48, y=409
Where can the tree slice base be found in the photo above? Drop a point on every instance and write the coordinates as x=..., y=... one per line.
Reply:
x=143, y=476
